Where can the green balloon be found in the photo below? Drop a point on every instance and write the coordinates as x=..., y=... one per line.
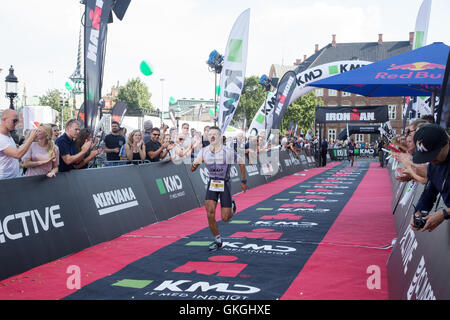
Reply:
x=68, y=86
x=218, y=91
x=172, y=100
x=217, y=108
x=211, y=111
x=146, y=68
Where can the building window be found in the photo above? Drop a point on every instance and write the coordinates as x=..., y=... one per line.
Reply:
x=359, y=138
x=331, y=134
x=332, y=93
x=346, y=94
x=392, y=111
x=319, y=92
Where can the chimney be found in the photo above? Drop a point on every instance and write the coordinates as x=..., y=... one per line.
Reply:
x=333, y=42
x=316, y=48
x=380, y=38
x=411, y=38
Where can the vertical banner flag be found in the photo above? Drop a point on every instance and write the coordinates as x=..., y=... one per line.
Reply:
x=422, y=22
x=285, y=90
x=420, y=40
x=97, y=15
x=118, y=112
x=233, y=72
x=80, y=116
x=303, y=78
x=261, y=118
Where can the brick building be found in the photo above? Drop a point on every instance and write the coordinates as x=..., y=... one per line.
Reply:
x=364, y=51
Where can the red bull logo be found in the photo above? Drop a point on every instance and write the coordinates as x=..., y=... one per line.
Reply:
x=417, y=66
x=417, y=70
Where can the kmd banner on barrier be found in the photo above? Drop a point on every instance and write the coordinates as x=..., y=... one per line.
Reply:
x=112, y=201
x=341, y=154
x=43, y=219
x=418, y=265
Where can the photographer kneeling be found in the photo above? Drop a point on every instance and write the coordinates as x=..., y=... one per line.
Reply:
x=432, y=145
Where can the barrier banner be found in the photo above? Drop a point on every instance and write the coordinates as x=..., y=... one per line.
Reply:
x=254, y=176
x=366, y=152
x=404, y=209
x=169, y=188
x=39, y=222
x=418, y=265
x=290, y=163
x=112, y=201
x=352, y=114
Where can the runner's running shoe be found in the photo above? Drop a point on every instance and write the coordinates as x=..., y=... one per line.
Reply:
x=215, y=246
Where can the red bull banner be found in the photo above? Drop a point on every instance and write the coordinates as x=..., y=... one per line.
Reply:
x=416, y=70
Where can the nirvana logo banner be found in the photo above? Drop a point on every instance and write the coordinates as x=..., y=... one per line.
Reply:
x=352, y=114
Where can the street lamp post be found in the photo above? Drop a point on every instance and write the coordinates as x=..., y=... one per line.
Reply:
x=11, y=87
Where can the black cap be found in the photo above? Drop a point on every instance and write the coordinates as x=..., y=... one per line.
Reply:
x=429, y=141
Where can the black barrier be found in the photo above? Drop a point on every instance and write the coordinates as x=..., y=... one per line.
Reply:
x=169, y=189
x=39, y=222
x=44, y=219
x=112, y=201
x=418, y=264
x=338, y=154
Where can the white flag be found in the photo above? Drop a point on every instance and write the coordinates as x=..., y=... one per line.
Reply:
x=422, y=22
x=233, y=72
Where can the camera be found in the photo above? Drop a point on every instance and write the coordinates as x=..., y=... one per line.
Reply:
x=419, y=222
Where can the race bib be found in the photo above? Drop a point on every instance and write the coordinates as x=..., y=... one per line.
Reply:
x=217, y=185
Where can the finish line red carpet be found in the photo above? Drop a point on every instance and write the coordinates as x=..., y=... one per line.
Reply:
x=300, y=237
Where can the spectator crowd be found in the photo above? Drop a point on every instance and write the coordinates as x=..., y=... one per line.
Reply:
x=422, y=157
x=46, y=151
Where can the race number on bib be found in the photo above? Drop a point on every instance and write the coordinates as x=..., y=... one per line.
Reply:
x=217, y=185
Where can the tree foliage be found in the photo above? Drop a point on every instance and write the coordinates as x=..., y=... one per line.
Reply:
x=135, y=94
x=51, y=99
x=301, y=111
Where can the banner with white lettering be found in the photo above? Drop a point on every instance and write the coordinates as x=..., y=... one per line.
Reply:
x=352, y=114
x=285, y=90
x=97, y=15
x=303, y=77
x=233, y=72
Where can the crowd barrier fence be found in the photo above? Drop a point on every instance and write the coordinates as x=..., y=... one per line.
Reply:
x=419, y=261
x=42, y=220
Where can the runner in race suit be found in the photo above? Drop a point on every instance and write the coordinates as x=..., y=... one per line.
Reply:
x=218, y=160
x=351, y=151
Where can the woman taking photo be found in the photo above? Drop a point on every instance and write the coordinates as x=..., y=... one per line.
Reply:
x=135, y=147
x=43, y=155
x=84, y=136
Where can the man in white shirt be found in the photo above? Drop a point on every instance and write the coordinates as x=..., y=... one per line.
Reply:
x=9, y=153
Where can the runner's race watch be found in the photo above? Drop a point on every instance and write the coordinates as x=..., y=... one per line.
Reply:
x=446, y=215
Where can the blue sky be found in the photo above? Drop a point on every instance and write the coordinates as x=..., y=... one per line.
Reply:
x=39, y=38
